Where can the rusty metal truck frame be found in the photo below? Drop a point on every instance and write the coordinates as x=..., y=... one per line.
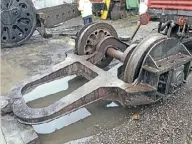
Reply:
x=147, y=72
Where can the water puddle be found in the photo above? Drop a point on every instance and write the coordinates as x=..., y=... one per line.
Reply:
x=79, y=125
x=100, y=118
x=48, y=93
x=50, y=127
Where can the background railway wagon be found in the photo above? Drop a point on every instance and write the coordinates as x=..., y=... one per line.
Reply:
x=177, y=10
x=185, y=5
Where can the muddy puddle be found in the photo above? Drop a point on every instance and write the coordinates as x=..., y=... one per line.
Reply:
x=80, y=125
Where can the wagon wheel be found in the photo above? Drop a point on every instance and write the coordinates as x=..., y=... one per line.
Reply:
x=18, y=22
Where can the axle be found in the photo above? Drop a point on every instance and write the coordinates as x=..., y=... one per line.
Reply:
x=112, y=52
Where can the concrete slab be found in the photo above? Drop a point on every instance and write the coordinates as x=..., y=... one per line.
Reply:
x=17, y=133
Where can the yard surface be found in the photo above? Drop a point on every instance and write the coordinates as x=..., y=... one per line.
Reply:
x=168, y=122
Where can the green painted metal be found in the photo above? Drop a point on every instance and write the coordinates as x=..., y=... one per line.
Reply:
x=132, y=4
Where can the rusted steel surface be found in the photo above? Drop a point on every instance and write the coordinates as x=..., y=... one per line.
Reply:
x=171, y=4
x=89, y=39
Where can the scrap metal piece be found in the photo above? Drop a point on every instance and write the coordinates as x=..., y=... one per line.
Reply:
x=52, y=16
x=18, y=22
x=41, y=26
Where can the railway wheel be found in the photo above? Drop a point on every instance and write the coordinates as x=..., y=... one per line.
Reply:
x=79, y=34
x=134, y=62
x=91, y=36
x=18, y=22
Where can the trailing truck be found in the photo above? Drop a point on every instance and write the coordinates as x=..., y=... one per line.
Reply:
x=146, y=72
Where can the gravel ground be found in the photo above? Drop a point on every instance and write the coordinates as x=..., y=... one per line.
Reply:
x=166, y=122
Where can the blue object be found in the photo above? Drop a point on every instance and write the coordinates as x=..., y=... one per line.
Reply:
x=87, y=20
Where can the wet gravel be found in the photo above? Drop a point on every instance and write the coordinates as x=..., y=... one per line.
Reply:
x=168, y=122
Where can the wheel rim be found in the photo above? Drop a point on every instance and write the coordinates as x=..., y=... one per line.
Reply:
x=18, y=21
x=79, y=34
